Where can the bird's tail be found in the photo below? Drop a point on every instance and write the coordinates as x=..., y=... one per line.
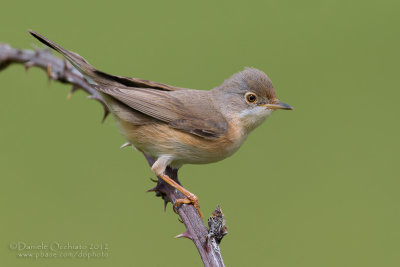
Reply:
x=76, y=60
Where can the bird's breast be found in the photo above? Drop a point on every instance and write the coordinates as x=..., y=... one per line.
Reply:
x=157, y=139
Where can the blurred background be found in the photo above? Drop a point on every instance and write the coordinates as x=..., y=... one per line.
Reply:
x=318, y=186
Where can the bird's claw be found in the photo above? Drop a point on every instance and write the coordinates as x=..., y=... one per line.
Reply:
x=190, y=199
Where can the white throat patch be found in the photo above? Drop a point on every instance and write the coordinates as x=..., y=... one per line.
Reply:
x=252, y=118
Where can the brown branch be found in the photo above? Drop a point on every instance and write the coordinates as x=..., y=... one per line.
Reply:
x=205, y=240
x=57, y=69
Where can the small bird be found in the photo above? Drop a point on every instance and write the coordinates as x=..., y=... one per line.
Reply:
x=177, y=126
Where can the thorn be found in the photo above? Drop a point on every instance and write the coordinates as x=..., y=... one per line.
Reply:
x=66, y=67
x=185, y=235
x=175, y=210
x=165, y=205
x=106, y=112
x=154, y=189
x=73, y=90
x=125, y=145
x=28, y=65
x=49, y=70
x=101, y=101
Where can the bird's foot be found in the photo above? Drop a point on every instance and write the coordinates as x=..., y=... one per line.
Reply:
x=190, y=199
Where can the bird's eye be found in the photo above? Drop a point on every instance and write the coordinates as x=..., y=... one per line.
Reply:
x=251, y=97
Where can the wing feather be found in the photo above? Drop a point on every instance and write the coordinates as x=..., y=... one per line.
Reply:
x=180, y=109
x=191, y=112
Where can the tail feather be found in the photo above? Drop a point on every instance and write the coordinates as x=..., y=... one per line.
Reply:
x=96, y=77
x=76, y=60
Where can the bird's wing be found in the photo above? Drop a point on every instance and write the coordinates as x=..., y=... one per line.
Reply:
x=166, y=103
x=190, y=110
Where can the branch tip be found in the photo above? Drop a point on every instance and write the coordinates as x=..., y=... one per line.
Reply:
x=217, y=228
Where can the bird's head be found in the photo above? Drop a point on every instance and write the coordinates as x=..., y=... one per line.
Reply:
x=248, y=97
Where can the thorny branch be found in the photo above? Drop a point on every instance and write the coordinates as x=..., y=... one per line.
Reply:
x=205, y=240
x=57, y=69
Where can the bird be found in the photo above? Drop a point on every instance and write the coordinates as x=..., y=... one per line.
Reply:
x=177, y=126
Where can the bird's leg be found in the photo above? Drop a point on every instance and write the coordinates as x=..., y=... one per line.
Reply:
x=190, y=197
x=159, y=169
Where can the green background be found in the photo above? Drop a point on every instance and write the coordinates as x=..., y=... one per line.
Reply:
x=318, y=186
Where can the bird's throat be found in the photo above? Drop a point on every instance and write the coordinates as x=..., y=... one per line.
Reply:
x=250, y=119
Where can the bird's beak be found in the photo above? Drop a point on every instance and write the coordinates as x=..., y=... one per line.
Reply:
x=278, y=105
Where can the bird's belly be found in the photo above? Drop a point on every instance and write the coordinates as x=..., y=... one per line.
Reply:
x=158, y=139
